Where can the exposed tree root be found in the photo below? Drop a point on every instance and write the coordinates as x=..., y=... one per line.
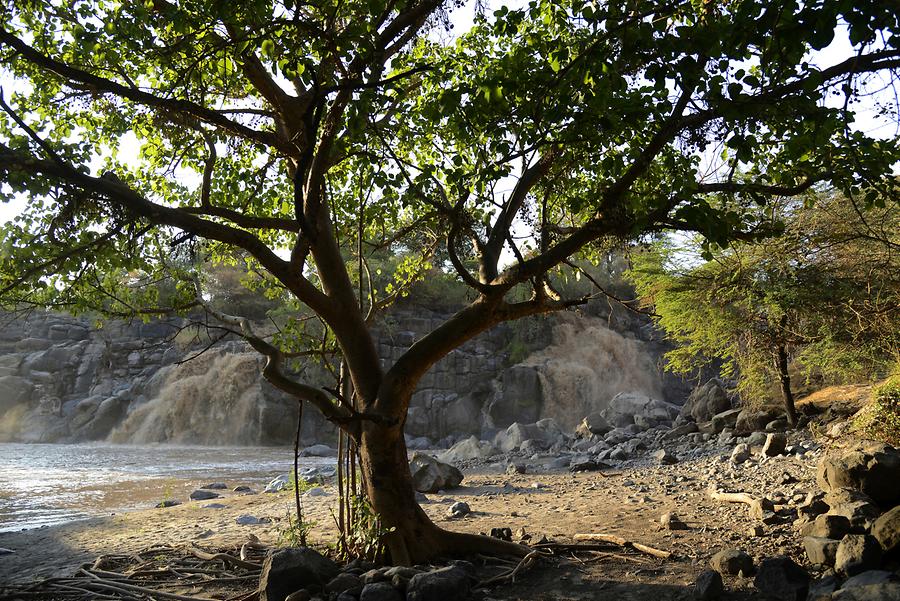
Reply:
x=618, y=540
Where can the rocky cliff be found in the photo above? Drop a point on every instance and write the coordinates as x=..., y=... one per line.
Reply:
x=66, y=379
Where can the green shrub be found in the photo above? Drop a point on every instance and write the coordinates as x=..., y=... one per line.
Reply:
x=884, y=420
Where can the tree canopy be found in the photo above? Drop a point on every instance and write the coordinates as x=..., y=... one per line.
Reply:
x=299, y=139
x=823, y=298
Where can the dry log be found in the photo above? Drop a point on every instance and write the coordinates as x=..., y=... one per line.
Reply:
x=238, y=563
x=759, y=506
x=622, y=542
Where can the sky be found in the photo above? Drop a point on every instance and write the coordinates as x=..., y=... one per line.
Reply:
x=840, y=49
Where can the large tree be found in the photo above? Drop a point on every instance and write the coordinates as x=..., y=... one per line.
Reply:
x=298, y=138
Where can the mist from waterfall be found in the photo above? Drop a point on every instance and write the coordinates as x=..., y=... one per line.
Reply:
x=587, y=365
x=213, y=399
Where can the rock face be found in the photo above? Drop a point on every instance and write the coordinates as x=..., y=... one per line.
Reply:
x=856, y=554
x=629, y=408
x=544, y=433
x=63, y=380
x=430, y=475
x=875, y=472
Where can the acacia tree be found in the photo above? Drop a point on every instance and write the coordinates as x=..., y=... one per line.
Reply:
x=823, y=296
x=300, y=137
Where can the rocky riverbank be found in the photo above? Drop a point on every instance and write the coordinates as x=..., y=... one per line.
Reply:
x=669, y=494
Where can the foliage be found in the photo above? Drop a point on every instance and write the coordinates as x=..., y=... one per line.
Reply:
x=826, y=291
x=296, y=532
x=883, y=419
x=364, y=537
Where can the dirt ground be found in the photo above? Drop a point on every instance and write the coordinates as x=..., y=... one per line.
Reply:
x=557, y=505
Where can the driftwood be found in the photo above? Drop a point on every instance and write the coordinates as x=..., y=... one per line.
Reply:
x=238, y=563
x=622, y=542
x=759, y=506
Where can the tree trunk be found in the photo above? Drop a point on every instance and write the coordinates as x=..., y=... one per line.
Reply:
x=414, y=538
x=781, y=364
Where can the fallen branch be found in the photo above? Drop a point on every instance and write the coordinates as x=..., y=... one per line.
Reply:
x=238, y=563
x=618, y=540
x=759, y=506
x=510, y=575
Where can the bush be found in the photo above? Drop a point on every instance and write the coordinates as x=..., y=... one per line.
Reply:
x=884, y=420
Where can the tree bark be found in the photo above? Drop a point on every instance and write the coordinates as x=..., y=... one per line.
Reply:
x=781, y=364
x=413, y=537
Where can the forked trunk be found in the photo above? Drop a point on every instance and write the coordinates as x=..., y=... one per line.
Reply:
x=414, y=538
x=781, y=364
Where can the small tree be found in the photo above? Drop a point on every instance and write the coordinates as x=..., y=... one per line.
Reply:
x=826, y=293
x=302, y=137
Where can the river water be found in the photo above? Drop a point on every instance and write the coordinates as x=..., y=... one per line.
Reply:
x=47, y=484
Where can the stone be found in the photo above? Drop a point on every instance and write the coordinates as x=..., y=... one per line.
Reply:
x=726, y=419
x=874, y=471
x=431, y=475
x=822, y=588
x=250, y=520
x=708, y=586
x=318, y=491
x=874, y=585
x=670, y=521
x=469, y=448
x=775, y=444
x=829, y=526
x=782, y=579
x=242, y=488
x=740, y=454
x=820, y=551
x=887, y=530
x=679, y=431
x=301, y=595
x=623, y=408
x=732, y=562
x=544, y=432
x=752, y=420
x=857, y=553
x=167, y=503
x=215, y=486
x=593, y=424
x=345, y=581
x=278, y=484
x=380, y=591
x=452, y=582
x=287, y=570
x=214, y=506
x=664, y=457
x=706, y=401
x=860, y=514
x=459, y=509
x=203, y=495
x=318, y=450
x=514, y=468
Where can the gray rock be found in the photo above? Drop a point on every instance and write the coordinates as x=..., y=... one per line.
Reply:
x=861, y=515
x=664, y=457
x=708, y=586
x=752, y=420
x=887, y=530
x=829, y=526
x=452, y=582
x=775, y=444
x=459, y=509
x=740, y=454
x=706, y=401
x=820, y=551
x=593, y=424
x=514, y=468
x=318, y=450
x=291, y=569
x=380, y=591
x=203, y=495
x=670, y=521
x=215, y=486
x=623, y=408
x=318, y=491
x=726, y=419
x=857, y=553
x=873, y=585
x=167, y=503
x=431, y=475
x=242, y=488
x=679, y=431
x=345, y=581
x=250, y=520
x=782, y=579
x=821, y=589
x=278, y=484
x=545, y=432
x=731, y=562
x=470, y=448
x=874, y=471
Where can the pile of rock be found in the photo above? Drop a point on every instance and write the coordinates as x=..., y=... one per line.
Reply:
x=854, y=531
x=303, y=574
